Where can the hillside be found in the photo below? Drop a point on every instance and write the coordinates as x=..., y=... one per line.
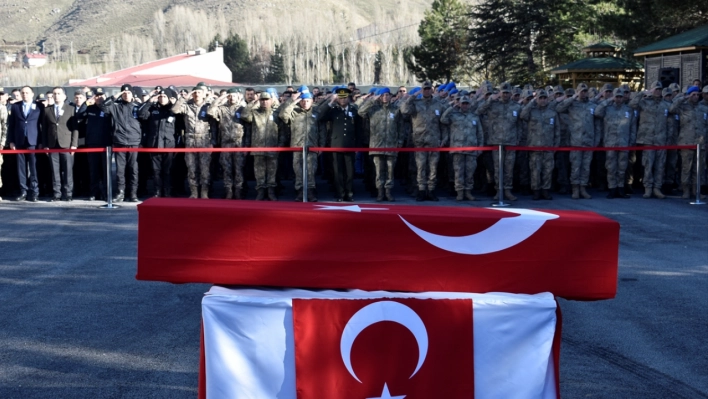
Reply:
x=88, y=26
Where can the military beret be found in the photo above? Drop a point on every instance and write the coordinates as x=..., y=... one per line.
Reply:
x=453, y=92
x=306, y=95
x=373, y=90
x=414, y=90
x=657, y=85
x=383, y=91
x=618, y=92
x=272, y=91
x=582, y=87
x=303, y=89
x=692, y=89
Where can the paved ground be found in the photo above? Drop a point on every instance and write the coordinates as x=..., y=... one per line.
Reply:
x=76, y=324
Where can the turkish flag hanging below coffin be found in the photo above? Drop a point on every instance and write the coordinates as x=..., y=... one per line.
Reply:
x=390, y=348
x=378, y=247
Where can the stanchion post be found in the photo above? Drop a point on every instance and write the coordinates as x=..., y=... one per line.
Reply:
x=304, y=172
x=109, y=181
x=500, y=183
x=698, y=177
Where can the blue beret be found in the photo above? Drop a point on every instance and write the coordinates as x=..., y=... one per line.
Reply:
x=372, y=90
x=272, y=91
x=443, y=87
x=305, y=95
x=303, y=89
x=414, y=90
x=692, y=89
x=383, y=90
x=453, y=91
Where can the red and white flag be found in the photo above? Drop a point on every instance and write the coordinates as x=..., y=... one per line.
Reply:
x=384, y=348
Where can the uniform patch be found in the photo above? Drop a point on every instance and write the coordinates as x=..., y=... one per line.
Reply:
x=156, y=112
x=350, y=114
x=514, y=113
x=474, y=123
x=170, y=119
x=270, y=117
x=552, y=121
x=677, y=117
x=666, y=112
x=202, y=114
x=437, y=112
x=238, y=115
x=626, y=115
x=102, y=114
x=592, y=111
x=391, y=115
x=34, y=106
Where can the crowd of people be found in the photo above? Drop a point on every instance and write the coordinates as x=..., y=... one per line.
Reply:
x=341, y=117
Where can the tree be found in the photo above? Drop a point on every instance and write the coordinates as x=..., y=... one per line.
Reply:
x=440, y=55
x=519, y=40
x=237, y=58
x=276, y=73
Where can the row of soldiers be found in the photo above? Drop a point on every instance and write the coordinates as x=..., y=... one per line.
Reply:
x=426, y=118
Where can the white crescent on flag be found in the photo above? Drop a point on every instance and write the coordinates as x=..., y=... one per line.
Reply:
x=505, y=233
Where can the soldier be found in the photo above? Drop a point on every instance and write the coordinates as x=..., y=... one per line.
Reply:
x=384, y=121
x=299, y=113
x=161, y=133
x=3, y=126
x=522, y=157
x=543, y=131
x=693, y=119
x=465, y=131
x=264, y=133
x=581, y=115
x=126, y=134
x=482, y=95
x=619, y=131
x=199, y=133
x=227, y=110
x=98, y=135
x=407, y=163
x=425, y=115
x=653, y=122
x=504, y=124
x=632, y=156
x=562, y=158
x=346, y=129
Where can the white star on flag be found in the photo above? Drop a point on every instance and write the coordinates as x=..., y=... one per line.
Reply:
x=387, y=395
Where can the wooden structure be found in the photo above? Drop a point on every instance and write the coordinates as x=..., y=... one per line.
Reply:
x=602, y=65
x=678, y=59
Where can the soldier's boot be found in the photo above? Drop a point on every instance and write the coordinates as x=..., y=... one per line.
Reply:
x=432, y=196
x=460, y=195
x=298, y=197
x=193, y=192
x=658, y=194
x=261, y=194
x=420, y=195
x=238, y=194
x=380, y=196
x=311, y=197
x=647, y=192
x=468, y=195
x=271, y=194
x=693, y=193
x=536, y=195
x=167, y=192
x=508, y=195
x=158, y=193
x=584, y=193
x=686, y=191
x=496, y=196
x=576, y=191
x=612, y=193
x=205, y=191
x=622, y=193
x=121, y=196
x=563, y=189
x=389, y=196
x=229, y=192
x=546, y=195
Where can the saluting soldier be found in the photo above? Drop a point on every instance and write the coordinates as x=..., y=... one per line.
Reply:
x=543, y=131
x=465, y=131
x=227, y=110
x=694, y=123
x=160, y=133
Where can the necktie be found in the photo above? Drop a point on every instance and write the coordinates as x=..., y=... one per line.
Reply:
x=25, y=108
x=56, y=112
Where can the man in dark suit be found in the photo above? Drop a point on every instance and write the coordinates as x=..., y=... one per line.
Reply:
x=24, y=125
x=60, y=131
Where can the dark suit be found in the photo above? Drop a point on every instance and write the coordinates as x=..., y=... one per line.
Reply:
x=60, y=131
x=346, y=124
x=24, y=132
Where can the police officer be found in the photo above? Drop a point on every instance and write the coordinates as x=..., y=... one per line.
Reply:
x=161, y=133
x=200, y=133
x=465, y=131
x=227, y=111
x=425, y=113
x=504, y=124
x=126, y=134
x=619, y=131
x=345, y=124
x=98, y=135
x=385, y=132
x=298, y=112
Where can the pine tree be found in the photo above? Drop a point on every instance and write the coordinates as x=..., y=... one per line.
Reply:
x=238, y=59
x=277, y=66
x=440, y=55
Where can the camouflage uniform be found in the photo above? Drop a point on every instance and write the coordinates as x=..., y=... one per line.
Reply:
x=264, y=134
x=199, y=133
x=694, y=123
x=504, y=130
x=672, y=131
x=522, y=157
x=465, y=131
x=652, y=131
x=581, y=125
x=304, y=131
x=619, y=131
x=425, y=116
x=3, y=134
x=384, y=132
x=486, y=156
x=543, y=131
x=230, y=136
x=562, y=158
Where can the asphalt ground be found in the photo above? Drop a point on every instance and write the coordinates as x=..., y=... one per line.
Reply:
x=74, y=322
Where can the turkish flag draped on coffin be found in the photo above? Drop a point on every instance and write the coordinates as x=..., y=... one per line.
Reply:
x=361, y=349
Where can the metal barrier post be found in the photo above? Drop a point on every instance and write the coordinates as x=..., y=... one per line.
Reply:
x=500, y=183
x=698, y=177
x=109, y=183
x=304, y=173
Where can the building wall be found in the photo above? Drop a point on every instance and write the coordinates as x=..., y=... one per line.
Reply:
x=691, y=66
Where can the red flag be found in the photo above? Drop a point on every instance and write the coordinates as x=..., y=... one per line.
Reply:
x=384, y=348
